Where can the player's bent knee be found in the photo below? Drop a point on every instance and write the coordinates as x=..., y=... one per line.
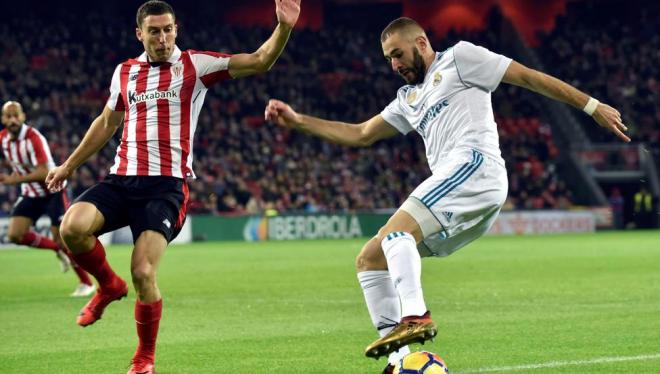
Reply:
x=143, y=274
x=71, y=231
x=371, y=257
x=16, y=238
x=76, y=224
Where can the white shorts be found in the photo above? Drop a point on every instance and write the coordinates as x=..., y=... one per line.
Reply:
x=458, y=203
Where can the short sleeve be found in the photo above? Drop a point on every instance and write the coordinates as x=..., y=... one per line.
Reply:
x=211, y=67
x=477, y=66
x=393, y=115
x=116, y=101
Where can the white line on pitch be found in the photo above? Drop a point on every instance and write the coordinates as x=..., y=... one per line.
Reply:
x=556, y=364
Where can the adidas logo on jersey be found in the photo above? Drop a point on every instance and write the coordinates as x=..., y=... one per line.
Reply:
x=447, y=215
x=167, y=223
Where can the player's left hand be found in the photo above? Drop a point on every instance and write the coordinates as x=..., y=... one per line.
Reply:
x=610, y=119
x=8, y=179
x=287, y=11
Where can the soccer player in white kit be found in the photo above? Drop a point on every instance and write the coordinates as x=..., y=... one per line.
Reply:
x=447, y=101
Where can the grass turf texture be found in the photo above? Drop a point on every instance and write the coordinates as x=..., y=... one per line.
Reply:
x=296, y=307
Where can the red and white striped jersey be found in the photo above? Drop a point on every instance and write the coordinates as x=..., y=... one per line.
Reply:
x=161, y=104
x=29, y=150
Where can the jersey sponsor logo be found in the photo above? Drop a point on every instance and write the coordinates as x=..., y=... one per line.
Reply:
x=430, y=115
x=134, y=98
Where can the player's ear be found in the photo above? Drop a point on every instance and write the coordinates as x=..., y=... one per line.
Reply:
x=421, y=42
x=138, y=33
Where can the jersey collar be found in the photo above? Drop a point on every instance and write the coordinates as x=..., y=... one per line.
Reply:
x=438, y=56
x=176, y=54
x=21, y=133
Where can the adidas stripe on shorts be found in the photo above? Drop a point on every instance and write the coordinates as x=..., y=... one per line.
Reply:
x=458, y=203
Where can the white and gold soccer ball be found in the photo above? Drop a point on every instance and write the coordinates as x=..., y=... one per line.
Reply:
x=421, y=362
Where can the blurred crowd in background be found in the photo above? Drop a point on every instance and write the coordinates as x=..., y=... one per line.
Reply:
x=244, y=166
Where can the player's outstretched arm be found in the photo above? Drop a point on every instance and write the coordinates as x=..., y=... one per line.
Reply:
x=100, y=131
x=357, y=135
x=244, y=64
x=606, y=116
x=37, y=175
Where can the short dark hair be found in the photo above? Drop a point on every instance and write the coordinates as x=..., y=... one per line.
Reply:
x=153, y=8
x=398, y=25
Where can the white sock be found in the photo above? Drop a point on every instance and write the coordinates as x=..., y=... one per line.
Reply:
x=405, y=266
x=383, y=304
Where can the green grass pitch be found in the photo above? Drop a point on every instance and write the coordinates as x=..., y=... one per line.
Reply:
x=538, y=304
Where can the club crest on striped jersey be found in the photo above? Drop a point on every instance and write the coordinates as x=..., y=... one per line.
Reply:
x=177, y=69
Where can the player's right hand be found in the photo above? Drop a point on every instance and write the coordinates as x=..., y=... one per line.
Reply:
x=610, y=119
x=281, y=113
x=56, y=177
x=287, y=11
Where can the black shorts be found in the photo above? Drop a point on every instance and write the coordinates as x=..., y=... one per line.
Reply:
x=144, y=203
x=53, y=205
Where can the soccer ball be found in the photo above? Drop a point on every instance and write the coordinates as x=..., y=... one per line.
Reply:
x=421, y=362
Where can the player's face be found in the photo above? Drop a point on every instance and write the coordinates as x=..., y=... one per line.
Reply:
x=158, y=34
x=13, y=117
x=405, y=59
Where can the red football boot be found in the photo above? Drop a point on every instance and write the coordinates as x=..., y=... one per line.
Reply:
x=93, y=311
x=141, y=367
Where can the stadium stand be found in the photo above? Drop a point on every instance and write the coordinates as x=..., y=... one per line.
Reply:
x=246, y=166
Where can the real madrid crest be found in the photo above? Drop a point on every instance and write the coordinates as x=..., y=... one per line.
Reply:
x=411, y=97
x=437, y=78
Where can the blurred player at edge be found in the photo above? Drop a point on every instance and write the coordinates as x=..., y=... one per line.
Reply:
x=447, y=101
x=158, y=96
x=29, y=155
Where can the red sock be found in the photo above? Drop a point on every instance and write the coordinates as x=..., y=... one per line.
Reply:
x=147, y=319
x=82, y=274
x=94, y=262
x=35, y=240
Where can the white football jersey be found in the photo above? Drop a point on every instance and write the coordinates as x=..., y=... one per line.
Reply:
x=452, y=109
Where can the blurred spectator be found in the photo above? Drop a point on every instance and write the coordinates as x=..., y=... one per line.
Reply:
x=644, y=211
x=617, y=203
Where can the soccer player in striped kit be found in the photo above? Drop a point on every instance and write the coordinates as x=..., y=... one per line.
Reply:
x=447, y=102
x=28, y=153
x=158, y=97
